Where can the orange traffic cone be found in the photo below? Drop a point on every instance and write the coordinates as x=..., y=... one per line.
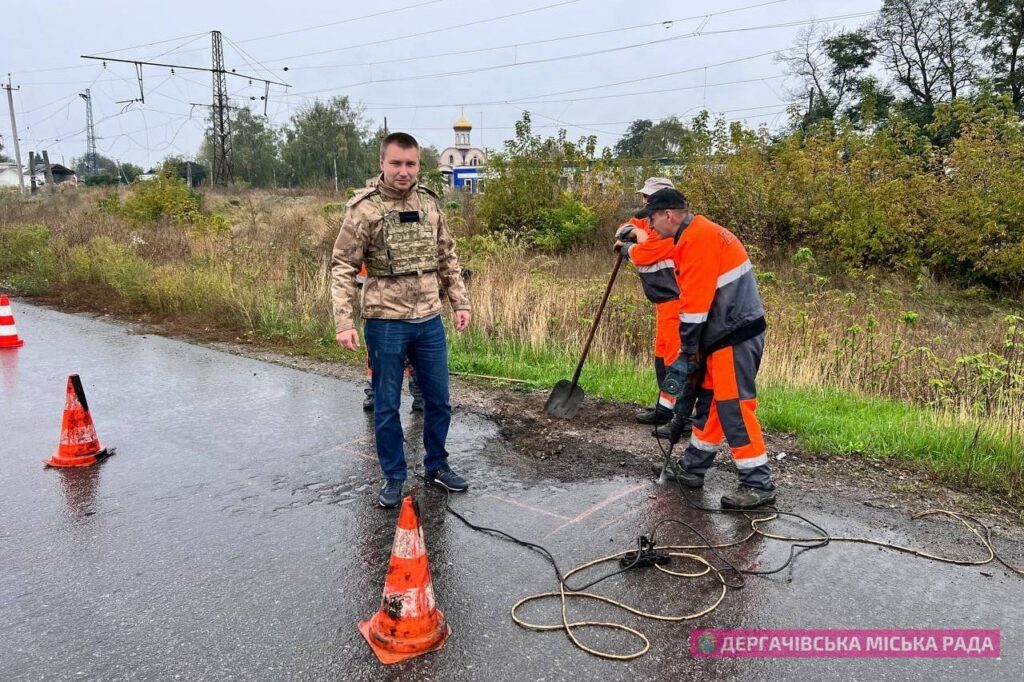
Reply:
x=408, y=623
x=79, y=446
x=8, y=332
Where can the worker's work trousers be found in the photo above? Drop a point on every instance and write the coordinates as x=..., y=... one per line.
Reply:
x=726, y=407
x=666, y=346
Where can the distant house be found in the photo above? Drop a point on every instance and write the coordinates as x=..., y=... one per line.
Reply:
x=62, y=175
x=9, y=174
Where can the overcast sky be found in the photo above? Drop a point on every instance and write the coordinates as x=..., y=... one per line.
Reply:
x=647, y=59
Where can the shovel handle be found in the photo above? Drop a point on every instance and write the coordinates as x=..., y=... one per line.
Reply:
x=597, y=319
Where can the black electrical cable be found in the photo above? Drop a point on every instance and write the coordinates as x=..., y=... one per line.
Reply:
x=795, y=549
x=540, y=549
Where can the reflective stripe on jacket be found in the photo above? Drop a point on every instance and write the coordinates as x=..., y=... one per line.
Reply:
x=654, y=264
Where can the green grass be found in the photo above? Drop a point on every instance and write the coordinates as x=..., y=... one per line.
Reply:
x=823, y=421
x=957, y=450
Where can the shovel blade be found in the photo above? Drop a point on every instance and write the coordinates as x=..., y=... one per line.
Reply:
x=565, y=400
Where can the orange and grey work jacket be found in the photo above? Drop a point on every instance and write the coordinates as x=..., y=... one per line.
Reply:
x=654, y=264
x=719, y=304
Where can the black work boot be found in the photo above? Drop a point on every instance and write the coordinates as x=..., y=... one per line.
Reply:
x=656, y=416
x=747, y=497
x=675, y=472
x=368, y=403
x=417, y=403
x=664, y=431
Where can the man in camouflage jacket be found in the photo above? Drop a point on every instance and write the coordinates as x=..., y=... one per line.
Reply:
x=397, y=228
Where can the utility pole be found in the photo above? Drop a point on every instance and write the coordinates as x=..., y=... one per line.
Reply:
x=90, y=133
x=49, y=172
x=335, y=174
x=220, y=167
x=14, y=132
x=222, y=171
x=32, y=172
x=188, y=173
x=385, y=126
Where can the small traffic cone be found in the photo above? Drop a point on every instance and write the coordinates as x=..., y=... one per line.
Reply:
x=8, y=332
x=408, y=623
x=79, y=446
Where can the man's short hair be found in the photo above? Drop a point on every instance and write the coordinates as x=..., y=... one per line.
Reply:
x=403, y=140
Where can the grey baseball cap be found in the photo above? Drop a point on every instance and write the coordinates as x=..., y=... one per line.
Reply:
x=652, y=185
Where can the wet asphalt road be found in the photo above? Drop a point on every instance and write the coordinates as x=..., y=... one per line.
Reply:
x=234, y=535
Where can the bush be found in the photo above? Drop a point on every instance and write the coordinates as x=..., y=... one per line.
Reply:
x=26, y=259
x=527, y=196
x=564, y=226
x=165, y=197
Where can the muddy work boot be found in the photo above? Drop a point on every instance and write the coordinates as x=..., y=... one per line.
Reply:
x=747, y=497
x=656, y=416
x=675, y=472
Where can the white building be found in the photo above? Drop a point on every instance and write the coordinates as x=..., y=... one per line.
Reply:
x=461, y=164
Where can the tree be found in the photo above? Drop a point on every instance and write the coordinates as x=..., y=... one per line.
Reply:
x=130, y=172
x=1001, y=27
x=630, y=144
x=830, y=68
x=668, y=138
x=929, y=47
x=428, y=158
x=255, y=149
x=326, y=133
x=104, y=166
x=178, y=166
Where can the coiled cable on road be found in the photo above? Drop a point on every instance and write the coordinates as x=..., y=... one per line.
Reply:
x=757, y=519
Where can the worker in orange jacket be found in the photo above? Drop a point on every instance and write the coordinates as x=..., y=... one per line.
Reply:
x=414, y=388
x=666, y=309
x=721, y=328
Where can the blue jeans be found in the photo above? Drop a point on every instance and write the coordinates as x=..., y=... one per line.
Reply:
x=389, y=343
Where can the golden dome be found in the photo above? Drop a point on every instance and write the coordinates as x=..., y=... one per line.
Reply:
x=462, y=123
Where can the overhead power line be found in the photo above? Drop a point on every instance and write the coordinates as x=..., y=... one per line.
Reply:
x=556, y=39
x=579, y=55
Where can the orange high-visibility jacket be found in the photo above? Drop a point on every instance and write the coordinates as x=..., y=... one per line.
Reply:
x=719, y=304
x=660, y=287
x=654, y=264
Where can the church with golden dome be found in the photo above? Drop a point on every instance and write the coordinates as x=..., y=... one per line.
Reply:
x=462, y=163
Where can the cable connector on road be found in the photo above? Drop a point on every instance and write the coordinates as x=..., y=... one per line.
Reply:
x=646, y=555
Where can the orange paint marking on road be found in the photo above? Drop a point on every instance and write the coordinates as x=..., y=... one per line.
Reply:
x=598, y=507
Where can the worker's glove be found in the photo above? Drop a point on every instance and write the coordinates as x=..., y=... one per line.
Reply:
x=681, y=377
x=626, y=233
x=677, y=427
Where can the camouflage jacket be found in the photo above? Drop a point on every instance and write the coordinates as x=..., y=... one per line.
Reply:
x=400, y=297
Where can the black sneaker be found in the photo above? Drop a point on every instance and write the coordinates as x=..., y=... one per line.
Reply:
x=746, y=497
x=446, y=478
x=368, y=403
x=391, y=493
x=656, y=416
x=674, y=472
x=417, y=403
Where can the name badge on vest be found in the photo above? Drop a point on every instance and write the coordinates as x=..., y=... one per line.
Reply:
x=408, y=216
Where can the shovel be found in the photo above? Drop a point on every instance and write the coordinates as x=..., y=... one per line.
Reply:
x=566, y=397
